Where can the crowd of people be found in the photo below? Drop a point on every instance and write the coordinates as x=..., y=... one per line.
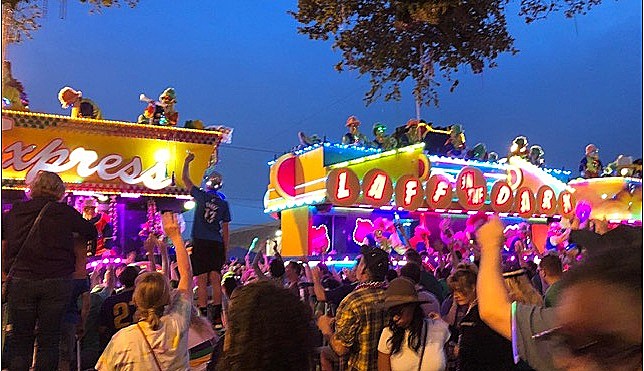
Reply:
x=266, y=313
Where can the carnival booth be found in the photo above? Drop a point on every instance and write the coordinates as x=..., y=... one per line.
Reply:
x=331, y=198
x=128, y=171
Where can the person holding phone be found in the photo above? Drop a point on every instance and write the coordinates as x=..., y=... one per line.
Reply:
x=210, y=238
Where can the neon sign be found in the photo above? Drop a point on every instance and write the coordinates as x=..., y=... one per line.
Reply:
x=57, y=158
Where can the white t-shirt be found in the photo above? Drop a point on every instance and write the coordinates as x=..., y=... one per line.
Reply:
x=407, y=360
x=128, y=350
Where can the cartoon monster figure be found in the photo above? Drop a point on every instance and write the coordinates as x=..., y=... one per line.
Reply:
x=382, y=141
x=478, y=152
x=306, y=140
x=590, y=166
x=455, y=145
x=161, y=112
x=519, y=147
x=354, y=136
x=535, y=157
x=81, y=107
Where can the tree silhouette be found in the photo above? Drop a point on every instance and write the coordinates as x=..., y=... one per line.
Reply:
x=392, y=40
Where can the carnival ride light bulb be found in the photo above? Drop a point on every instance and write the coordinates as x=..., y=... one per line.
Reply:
x=278, y=233
x=117, y=260
x=329, y=259
x=512, y=258
x=604, y=196
x=162, y=155
x=624, y=171
x=536, y=260
x=94, y=264
x=102, y=197
x=189, y=205
x=106, y=260
x=346, y=258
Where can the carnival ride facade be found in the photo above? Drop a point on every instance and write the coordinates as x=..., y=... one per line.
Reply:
x=331, y=198
x=133, y=170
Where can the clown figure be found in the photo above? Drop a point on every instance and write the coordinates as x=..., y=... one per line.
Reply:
x=81, y=107
x=354, y=137
x=519, y=147
x=590, y=166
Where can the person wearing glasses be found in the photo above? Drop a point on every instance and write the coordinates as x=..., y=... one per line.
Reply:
x=597, y=323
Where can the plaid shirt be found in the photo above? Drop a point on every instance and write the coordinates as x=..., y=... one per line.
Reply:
x=359, y=321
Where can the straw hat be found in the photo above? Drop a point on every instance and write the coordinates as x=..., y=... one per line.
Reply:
x=401, y=291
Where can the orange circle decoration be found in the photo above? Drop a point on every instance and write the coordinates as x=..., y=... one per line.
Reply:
x=501, y=197
x=546, y=201
x=409, y=192
x=566, y=204
x=342, y=187
x=524, y=202
x=424, y=166
x=471, y=188
x=515, y=177
x=438, y=192
x=377, y=188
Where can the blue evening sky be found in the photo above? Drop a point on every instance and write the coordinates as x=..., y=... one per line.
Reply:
x=242, y=64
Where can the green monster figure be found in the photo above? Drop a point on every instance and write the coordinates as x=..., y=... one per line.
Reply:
x=382, y=141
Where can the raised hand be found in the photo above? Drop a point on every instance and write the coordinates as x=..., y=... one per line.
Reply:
x=490, y=235
x=190, y=157
x=170, y=224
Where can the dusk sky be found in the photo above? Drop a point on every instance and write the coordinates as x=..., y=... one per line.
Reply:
x=242, y=64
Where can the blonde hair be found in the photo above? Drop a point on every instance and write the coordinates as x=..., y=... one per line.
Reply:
x=47, y=184
x=522, y=291
x=151, y=295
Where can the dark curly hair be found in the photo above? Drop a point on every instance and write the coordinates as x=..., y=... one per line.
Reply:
x=415, y=331
x=269, y=329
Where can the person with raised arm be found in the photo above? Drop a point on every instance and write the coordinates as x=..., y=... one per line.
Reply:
x=159, y=339
x=210, y=238
x=584, y=331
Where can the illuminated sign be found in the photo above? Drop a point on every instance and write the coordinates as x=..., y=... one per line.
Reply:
x=409, y=192
x=57, y=158
x=471, y=188
x=524, y=203
x=502, y=197
x=99, y=155
x=377, y=188
x=546, y=201
x=343, y=187
x=566, y=204
x=438, y=192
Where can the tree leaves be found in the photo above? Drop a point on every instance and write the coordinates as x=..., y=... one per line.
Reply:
x=393, y=40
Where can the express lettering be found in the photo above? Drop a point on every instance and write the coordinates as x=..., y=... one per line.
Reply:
x=56, y=158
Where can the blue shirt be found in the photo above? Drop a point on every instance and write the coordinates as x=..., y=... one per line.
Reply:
x=210, y=212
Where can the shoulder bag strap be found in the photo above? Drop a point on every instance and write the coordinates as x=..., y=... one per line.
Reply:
x=29, y=235
x=424, y=343
x=149, y=347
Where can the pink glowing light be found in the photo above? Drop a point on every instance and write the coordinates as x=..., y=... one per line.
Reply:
x=94, y=264
x=512, y=258
x=106, y=260
x=117, y=260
